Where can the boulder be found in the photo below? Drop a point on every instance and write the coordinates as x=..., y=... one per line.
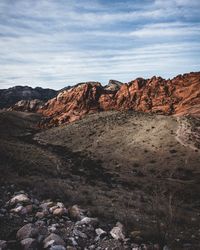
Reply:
x=88, y=221
x=20, y=198
x=57, y=247
x=100, y=232
x=59, y=211
x=27, y=210
x=40, y=215
x=17, y=209
x=51, y=209
x=3, y=244
x=29, y=244
x=118, y=232
x=53, y=239
x=31, y=231
x=75, y=213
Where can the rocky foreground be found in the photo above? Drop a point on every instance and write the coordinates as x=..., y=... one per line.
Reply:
x=48, y=224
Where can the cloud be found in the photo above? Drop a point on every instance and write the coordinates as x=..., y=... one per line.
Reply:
x=55, y=43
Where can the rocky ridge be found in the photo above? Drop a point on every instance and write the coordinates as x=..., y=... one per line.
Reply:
x=10, y=96
x=27, y=105
x=49, y=224
x=179, y=95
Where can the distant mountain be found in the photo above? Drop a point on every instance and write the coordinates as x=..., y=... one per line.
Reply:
x=180, y=95
x=113, y=85
x=10, y=96
x=27, y=105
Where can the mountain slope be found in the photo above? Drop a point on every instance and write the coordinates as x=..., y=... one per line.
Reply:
x=11, y=96
x=180, y=95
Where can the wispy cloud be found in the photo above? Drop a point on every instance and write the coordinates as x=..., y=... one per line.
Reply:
x=56, y=43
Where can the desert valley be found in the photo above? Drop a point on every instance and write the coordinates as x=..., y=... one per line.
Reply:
x=101, y=167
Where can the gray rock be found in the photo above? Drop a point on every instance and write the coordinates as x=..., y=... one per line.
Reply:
x=53, y=239
x=27, y=210
x=80, y=234
x=73, y=241
x=166, y=247
x=57, y=247
x=27, y=231
x=46, y=205
x=40, y=215
x=117, y=232
x=22, y=198
x=88, y=221
x=29, y=244
x=52, y=229
x=100, y=232
x=3, y=244
x=17, y=209
x=31, y=231
x=51, y=209
x=60, y=205
x=3, y=211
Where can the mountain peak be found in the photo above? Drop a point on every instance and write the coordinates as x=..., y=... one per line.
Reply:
x=177, y=96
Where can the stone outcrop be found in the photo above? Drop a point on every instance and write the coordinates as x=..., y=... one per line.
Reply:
x=27, y=105
x=180, y=95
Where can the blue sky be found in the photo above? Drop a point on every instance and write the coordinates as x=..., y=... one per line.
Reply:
x=55, y=43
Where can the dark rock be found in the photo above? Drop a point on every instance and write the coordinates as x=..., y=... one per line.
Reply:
x=75, y=212
x=3, y=244
x=57, y=247
x=29, y=244
x=53, y=239
x=31, y=231
x=9, y=97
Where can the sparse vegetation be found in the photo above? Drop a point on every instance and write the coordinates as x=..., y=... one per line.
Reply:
x=122, y=177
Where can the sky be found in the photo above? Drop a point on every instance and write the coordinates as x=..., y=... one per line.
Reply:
x=56, y=43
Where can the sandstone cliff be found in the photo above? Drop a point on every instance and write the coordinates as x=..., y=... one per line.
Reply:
x=180, y=95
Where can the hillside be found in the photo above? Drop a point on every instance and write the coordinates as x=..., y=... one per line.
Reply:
x=180, y=95
x=10, y=96
x=132, y=167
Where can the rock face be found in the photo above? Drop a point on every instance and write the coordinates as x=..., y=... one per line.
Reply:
x=8, y=97
x=27, y=105
x=180, y=95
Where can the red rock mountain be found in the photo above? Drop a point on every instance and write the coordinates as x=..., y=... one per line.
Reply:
x=180, y=95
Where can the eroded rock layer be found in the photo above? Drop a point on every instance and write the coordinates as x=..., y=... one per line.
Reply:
x=180, y=95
